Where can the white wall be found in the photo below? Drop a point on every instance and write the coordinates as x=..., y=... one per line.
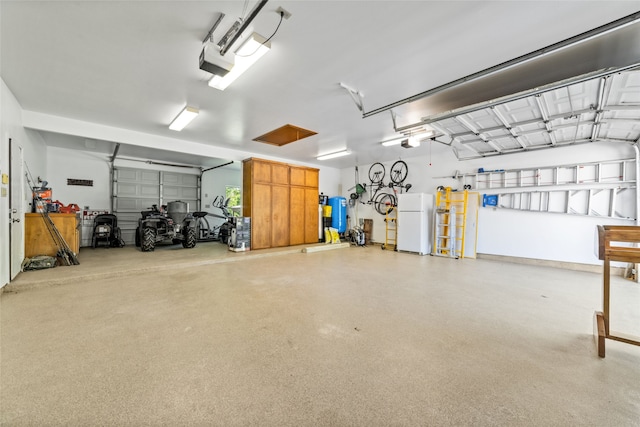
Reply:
x=330, y=181
x=34, y=151
x=546, y=236
x=63, y=163
x=214, y=183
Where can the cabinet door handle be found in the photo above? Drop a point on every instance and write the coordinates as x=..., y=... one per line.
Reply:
x=15, y=220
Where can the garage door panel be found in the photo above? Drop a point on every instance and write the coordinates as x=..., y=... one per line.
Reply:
x=128, y=235
x=519, y=111
x=189, y=193
x=192, y=205
x=136, y=190
x=138, y=175
x=170, y=193
x=125, y=217
x=131, y=189
x=179, y=193
x=148, y=191
x=536, y=139
x=125, y=204
x=175, y=179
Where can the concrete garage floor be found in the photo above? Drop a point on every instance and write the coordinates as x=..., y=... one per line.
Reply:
x=356, y=336
x=104, y=262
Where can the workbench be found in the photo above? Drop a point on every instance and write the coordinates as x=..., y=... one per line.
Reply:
x=38, y=240
x=609, y=249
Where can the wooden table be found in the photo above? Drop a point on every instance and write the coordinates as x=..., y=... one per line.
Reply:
x=609, y=238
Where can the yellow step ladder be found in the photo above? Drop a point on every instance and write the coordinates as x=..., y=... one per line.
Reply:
x=391, y=229
x=450, y=220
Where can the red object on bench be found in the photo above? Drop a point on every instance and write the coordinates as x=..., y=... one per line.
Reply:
x=70, y=208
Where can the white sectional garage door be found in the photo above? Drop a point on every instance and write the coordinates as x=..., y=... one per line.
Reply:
x=135, y=190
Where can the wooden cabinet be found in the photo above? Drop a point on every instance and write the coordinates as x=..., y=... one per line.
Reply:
x=260, y=216
x=305, y=177
x=297, y=176
x=279, y=215
x=305, y=224
x=265, y=198
x=311, y=177
x=304, y=215
x=38, y=240
x=296, y=219
x=279, y=174
x=311, y=214
x=282, y=201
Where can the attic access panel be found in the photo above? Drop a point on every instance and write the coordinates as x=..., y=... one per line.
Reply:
x=600, y=109
x=285, y=135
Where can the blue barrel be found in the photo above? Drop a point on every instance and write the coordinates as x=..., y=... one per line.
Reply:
x=338, y=213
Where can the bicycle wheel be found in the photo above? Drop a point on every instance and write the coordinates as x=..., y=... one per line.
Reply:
x=399, y=172
x=382, y=202
x=376, y=173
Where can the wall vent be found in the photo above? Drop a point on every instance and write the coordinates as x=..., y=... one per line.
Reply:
x=80, y=182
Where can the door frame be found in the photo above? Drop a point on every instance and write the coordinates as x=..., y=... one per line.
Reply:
x=16, y=213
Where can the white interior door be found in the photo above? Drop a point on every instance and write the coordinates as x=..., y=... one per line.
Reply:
x=16, y=206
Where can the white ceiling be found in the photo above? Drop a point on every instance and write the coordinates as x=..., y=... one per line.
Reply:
x=134, y=65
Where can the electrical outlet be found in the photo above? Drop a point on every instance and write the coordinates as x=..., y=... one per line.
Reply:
x=285, y=14
x=207, y=206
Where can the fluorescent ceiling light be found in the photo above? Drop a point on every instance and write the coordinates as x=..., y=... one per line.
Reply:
x=334, y=155
x=184, y=118
x=392, y=142
x=247, y=54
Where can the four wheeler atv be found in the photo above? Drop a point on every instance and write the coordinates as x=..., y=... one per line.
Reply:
x=172, y=223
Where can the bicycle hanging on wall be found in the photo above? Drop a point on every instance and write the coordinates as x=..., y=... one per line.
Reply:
x=379, y=195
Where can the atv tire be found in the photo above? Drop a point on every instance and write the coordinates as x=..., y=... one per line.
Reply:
x=190, y=238
x=148, y=242
x=137, y=237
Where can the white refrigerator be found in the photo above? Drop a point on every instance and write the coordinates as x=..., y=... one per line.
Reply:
x=415, y=222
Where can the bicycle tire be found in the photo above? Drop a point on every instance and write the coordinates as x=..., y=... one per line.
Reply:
x=376, y=173
x=376, y=204
x=382, y=202
x=399, y=171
